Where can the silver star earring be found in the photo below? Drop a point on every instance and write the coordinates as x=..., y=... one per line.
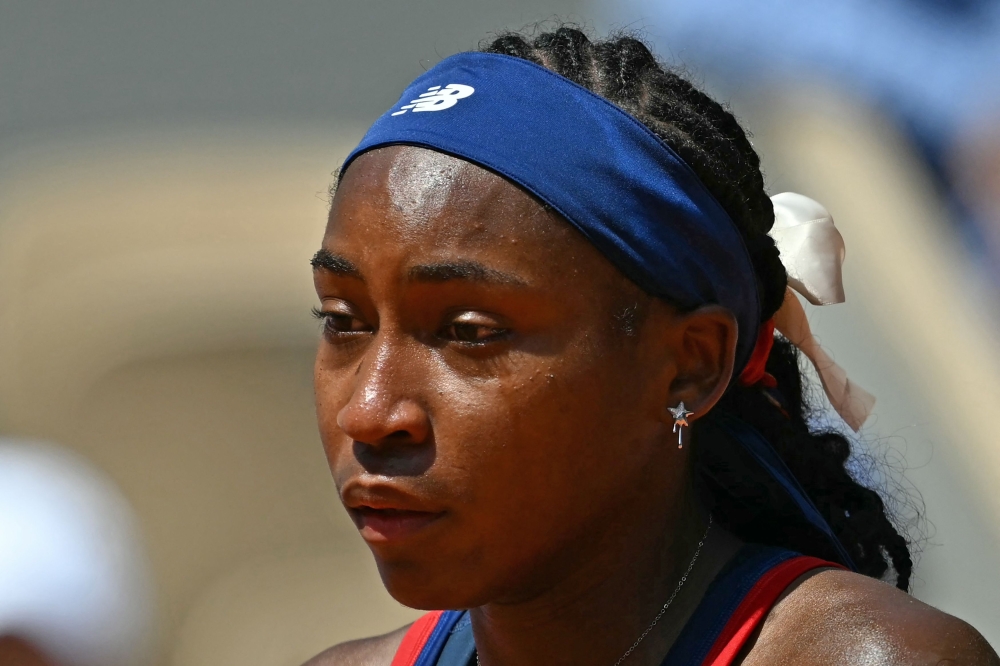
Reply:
x=680, y=414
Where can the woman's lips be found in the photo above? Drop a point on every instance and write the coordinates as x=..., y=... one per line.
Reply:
x=383, y=525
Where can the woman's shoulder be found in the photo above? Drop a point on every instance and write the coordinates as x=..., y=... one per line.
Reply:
x=840, y=617
x=374, y=651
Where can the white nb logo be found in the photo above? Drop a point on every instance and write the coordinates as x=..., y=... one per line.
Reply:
x=438, y=98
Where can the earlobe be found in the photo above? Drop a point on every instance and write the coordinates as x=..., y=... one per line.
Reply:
x=704, y=349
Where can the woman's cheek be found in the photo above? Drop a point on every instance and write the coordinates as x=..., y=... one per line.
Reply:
x=512, y=442
x=332, y=392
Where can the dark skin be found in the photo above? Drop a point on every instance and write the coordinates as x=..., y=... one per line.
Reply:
x=492, y=396
x=15, y=651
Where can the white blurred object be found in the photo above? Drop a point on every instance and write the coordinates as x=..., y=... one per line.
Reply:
x=74, y=580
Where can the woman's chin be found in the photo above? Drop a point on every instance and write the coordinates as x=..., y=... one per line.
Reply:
x=431, y=585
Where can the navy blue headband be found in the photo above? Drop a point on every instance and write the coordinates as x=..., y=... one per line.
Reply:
x=600, y=168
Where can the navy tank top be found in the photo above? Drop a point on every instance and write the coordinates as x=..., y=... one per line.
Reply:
x=733, y=607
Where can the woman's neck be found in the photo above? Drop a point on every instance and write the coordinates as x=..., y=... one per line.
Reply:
x=602, y=600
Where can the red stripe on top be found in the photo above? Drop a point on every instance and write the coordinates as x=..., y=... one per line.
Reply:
x=756, y=605
x=415, y=639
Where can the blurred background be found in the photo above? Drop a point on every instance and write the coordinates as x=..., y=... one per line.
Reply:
x=163, y=176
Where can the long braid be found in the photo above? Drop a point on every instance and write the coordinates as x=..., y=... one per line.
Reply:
x=707, y=136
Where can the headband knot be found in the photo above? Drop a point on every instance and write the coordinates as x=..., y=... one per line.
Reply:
x=812, y=251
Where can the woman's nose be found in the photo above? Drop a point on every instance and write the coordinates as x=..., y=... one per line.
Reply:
x=384, y=407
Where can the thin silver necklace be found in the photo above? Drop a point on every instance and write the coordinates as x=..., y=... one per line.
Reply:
x=663, y=609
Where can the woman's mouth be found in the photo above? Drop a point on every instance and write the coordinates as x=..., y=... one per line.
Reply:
x=383, y=525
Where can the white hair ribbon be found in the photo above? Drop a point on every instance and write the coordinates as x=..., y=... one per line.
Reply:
x=812, y=251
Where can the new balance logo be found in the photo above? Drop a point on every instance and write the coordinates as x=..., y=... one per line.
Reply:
x=438, y=98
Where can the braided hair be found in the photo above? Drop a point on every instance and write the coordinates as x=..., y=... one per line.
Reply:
x=624, y=71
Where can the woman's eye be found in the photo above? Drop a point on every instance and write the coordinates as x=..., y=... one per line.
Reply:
x=473, y=333
x=338, y=323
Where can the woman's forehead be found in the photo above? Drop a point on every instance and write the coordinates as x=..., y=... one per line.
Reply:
x=415, y=177
x=402, y=205
x=422, y=181
x=416, y=191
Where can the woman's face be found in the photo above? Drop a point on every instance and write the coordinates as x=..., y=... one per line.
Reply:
x=491, y=391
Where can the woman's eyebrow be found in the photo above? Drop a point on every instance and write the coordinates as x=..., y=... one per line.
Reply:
x=335, y=264
x=464, y=270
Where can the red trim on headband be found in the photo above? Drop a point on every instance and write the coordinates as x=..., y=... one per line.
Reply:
x=755, y=371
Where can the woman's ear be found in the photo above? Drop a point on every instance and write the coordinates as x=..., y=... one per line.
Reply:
x=703, y=345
